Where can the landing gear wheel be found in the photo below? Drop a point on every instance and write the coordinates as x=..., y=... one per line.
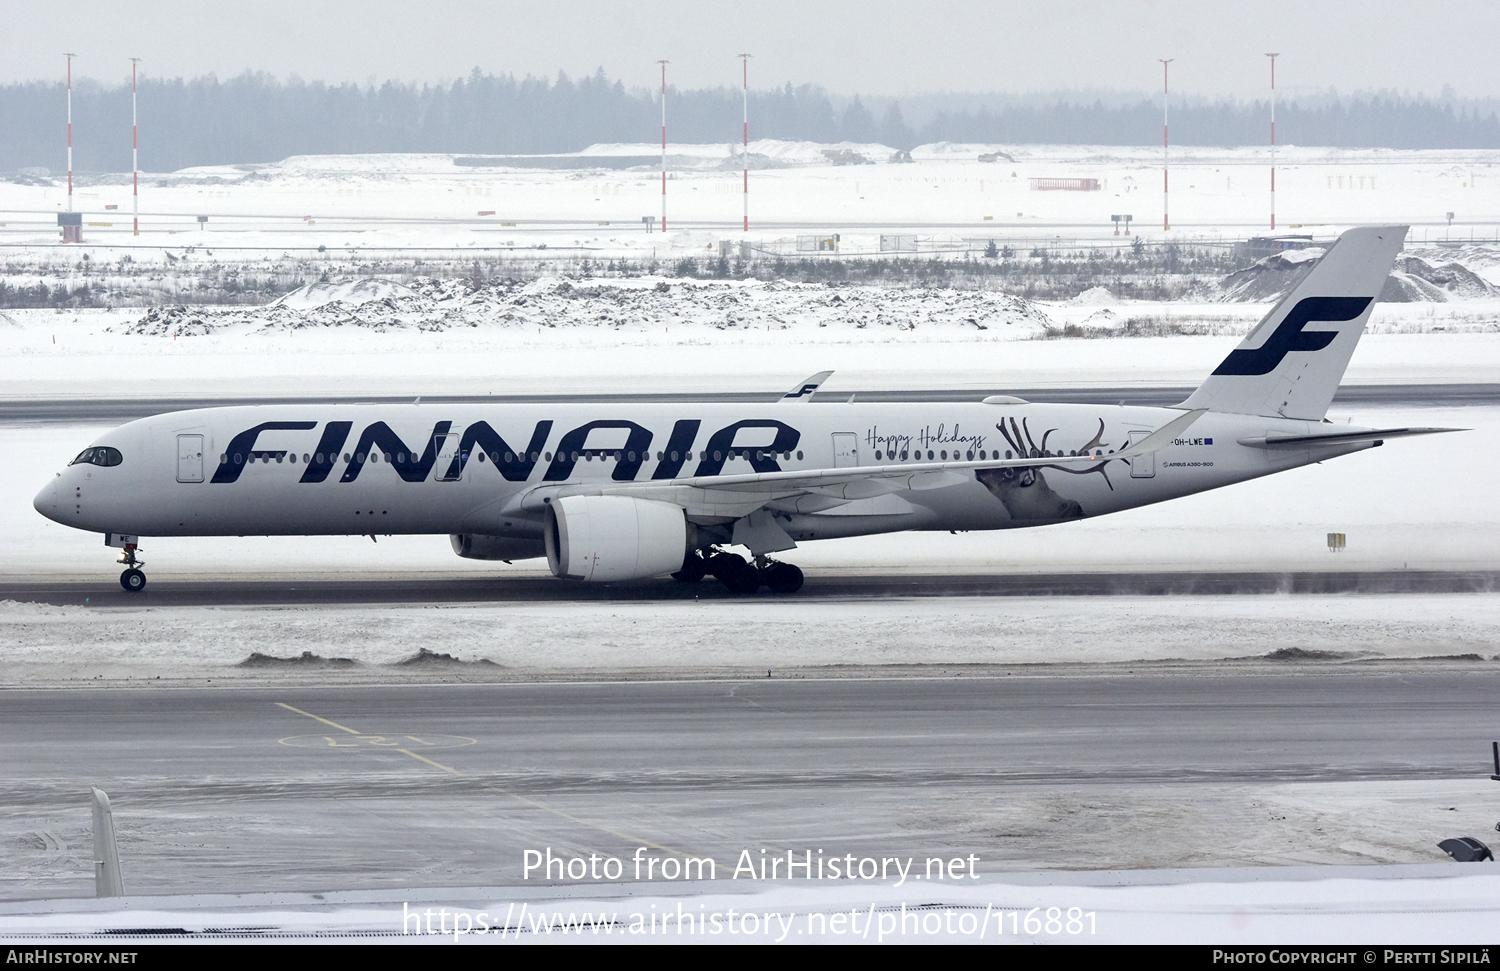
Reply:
x=133, y=580
x=721, y=564
x=782, y=577
x=694, y=568
x=741, y=578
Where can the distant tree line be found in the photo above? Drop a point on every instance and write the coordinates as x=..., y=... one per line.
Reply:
x=258, y=118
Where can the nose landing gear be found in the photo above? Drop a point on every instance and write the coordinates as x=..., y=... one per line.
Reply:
x=133, y=579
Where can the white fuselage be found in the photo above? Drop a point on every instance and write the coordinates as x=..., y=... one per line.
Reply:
x=430, y=468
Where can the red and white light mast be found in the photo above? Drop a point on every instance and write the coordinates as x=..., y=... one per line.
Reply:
x=663, y=144
x=135, y=161
x=745, y=62
x=1166, y=223
x=70, y=129
x=1273, y=140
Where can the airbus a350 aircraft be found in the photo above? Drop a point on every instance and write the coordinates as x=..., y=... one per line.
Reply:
x=629, y=491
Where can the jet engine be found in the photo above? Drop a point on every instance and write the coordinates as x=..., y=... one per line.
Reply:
x=477, y=546
x=603, y=538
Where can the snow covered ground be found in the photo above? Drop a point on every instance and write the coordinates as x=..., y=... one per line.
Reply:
x=72, y=644
x=429, y=201
x=556, y=336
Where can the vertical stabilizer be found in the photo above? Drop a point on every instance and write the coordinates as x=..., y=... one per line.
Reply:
x=1292, y=362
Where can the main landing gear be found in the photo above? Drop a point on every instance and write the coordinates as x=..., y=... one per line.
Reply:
x=738, y=575
x=133, y=579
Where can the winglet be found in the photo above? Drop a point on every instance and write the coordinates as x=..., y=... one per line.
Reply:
x=804, y=389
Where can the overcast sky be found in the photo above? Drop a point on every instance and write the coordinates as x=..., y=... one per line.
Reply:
x=885, y=47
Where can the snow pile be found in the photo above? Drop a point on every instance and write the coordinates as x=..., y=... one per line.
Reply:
x=1102, y=318
x=366, y=164
x=352, y=294
x=176, y=322
x=776, y=150
x=639, y=304
x=966, y=151
x=1268, y=278
x=1093, y=297
x=1412, y=280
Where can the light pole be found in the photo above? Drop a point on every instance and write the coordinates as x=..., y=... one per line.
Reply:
x=745, y=62
x=663, y=145
x=1273, y=140
x=1166, y=223
x=70, y=129
x=135, y=160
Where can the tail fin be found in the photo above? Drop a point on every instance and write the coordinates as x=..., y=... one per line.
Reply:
x=1283, y=369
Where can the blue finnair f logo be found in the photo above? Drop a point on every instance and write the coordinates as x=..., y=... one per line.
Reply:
x=1291, y=337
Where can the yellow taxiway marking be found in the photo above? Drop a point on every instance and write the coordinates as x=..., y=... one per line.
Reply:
x=376, y=741
x=316, y=718
x=423, y=758
x=505, y=792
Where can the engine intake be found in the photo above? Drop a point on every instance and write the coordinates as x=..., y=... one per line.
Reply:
x=602, y=538
x=478, y=546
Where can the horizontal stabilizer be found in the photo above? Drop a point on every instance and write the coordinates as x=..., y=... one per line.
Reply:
x=1361, y=437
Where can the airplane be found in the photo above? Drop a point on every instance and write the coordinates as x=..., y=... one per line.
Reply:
x=618, y=492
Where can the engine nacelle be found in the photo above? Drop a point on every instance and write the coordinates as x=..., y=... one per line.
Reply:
x=603, y=538
x=477, y=546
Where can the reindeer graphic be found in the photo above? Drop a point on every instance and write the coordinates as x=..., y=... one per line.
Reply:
x=1024, y=492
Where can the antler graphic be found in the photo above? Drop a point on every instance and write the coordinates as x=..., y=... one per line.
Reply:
x=1031, y=450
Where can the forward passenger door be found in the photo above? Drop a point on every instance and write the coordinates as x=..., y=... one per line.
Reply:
x=189, y=458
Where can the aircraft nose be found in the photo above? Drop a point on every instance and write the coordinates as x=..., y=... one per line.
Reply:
x=46, y=501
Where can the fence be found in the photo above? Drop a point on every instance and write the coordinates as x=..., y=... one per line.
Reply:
x=1065, y=185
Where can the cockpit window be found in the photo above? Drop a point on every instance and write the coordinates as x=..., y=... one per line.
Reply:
x=99, y=455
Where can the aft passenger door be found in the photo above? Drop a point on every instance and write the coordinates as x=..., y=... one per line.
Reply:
x=1142, y=466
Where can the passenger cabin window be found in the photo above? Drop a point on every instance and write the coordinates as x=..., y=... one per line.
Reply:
x=99, y=455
